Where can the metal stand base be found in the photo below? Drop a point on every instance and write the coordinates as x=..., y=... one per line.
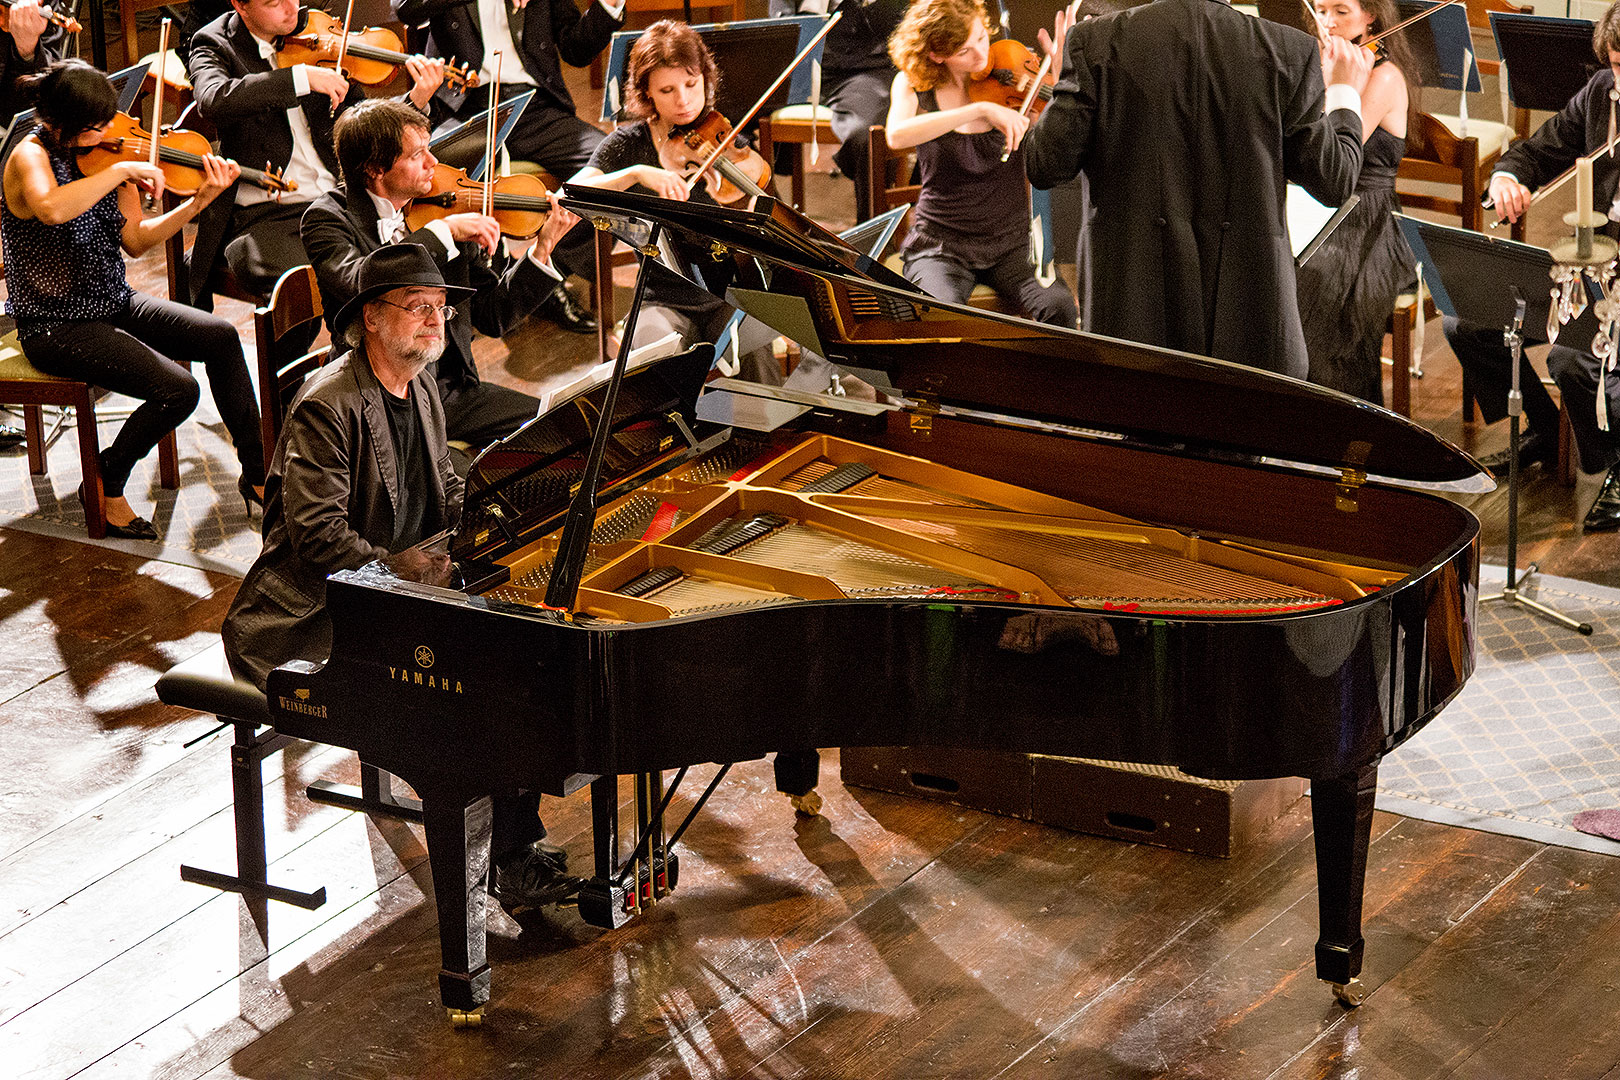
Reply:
x=1512, y=596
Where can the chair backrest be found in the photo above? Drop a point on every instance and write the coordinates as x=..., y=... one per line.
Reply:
x=295, y=302
x=1434, y=155
x=889, y=174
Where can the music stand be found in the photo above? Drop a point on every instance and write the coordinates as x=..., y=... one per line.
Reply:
x=748, y=54
x=1310, y=222
x=463, y=145
x=1548, y=59
x=1441, y=46
x=1494, y=282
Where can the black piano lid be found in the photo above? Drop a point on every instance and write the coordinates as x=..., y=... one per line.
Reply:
x=987, y=363
x=529, y=476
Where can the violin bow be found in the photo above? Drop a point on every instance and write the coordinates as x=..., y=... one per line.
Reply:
x=1562, y=179
x=720, y=144
x=1029, y=98
x=1404, y=23
x=343, y=46
x=157, y=93
x=489, y=140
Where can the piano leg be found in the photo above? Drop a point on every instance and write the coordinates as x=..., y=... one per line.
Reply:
x=1342, y=809
x=797, y=774
x=458, y=852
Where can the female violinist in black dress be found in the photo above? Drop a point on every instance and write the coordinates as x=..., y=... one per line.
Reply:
x=1348, y=288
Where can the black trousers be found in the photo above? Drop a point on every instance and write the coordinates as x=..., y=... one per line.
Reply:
x=1013, y=278
x=1489, y=365
x=479, y=413
x=516, y=822
x=858, y=100
x=266, y=244
x=136, y=354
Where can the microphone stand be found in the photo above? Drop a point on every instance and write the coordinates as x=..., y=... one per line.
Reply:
x=1513, y=338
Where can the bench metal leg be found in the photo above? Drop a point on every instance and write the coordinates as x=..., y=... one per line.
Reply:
x=375, y=795
x=247, y=796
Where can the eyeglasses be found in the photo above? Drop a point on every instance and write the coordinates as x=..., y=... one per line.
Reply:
x=423, y=310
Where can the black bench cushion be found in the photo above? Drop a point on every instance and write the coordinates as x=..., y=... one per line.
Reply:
x=205, y=683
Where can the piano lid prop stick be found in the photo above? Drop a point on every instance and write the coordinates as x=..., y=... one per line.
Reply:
x=569, y=565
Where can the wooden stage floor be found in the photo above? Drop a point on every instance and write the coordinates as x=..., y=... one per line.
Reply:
x=887, y=938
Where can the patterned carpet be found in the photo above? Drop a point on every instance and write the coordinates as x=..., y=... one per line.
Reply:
x=1534, y=738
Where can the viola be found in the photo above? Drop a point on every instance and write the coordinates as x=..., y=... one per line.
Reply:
x=371, y=56
x=65, y=23
x=738, y=170
x=519, y=202
x=180, y=155
x=1008, y=77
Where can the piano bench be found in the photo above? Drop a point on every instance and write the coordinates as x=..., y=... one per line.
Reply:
x=205, y=683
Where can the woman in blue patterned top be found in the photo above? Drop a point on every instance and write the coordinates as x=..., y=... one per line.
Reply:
x=76, y=315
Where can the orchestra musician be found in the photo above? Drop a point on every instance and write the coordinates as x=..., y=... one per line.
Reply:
x=1579, y=129
x=670, y=81
x=362, y=473
x=856, y=75
x=282, y=115
x=547, y=34
x=382, y=151
x=28, y=42
x=1348, y=288
x=1187, y=117
x=967, y=227
x=77, y=316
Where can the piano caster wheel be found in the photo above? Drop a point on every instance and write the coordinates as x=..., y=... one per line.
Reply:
x=1350, y=994
x=460, y=1018
x=808, y=804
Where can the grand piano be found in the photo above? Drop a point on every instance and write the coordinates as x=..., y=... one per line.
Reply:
x=1036, y=540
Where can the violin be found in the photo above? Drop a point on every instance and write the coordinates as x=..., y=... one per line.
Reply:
x=370, y=57
x=519, y=202
x=180, y=155
x=737, y=171
x=1012, y=71
x=66, y=23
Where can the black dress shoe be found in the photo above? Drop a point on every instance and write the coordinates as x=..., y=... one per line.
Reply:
x=1534, y=447
x=532, y=877
x=1605, y=513
x=11, y=436
x=135, y=529
x=561, y=308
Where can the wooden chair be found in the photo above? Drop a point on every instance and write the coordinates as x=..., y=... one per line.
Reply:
x=886, y=192
x=23, y=384
x=793, y=126
x=715, y=11
x=295, y=302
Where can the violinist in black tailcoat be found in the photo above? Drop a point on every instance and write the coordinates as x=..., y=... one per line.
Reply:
x=1187, y=118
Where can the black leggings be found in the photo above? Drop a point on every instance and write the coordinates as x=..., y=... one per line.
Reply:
x=129, y=354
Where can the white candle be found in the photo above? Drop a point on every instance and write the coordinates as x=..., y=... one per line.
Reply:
x=1583, y=189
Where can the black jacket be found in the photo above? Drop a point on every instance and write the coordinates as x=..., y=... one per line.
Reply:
x=1187, y=118
x=1578, y=129
x=13, y=99
x=330, y=500
x=247, y=100
x=548, y=33
x=338, y=236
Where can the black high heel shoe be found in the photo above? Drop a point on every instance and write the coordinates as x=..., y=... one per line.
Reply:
x=137, y=529
x=250, y=498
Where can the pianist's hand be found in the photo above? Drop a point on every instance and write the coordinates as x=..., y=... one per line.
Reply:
x=412, y=564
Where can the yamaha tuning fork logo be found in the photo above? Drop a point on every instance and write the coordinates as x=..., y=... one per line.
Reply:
x=424, y=657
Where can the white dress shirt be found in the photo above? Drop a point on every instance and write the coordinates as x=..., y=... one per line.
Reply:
x=305, y=168
x=391, y=229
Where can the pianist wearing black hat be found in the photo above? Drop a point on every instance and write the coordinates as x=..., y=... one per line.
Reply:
x=362, y=474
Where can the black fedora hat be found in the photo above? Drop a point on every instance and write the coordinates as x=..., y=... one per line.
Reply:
x=395, y=266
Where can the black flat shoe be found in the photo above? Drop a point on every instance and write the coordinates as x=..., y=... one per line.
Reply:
x=250, y=498
x=11, y=436
x=136, y=529
x=1605, y=513
x=561, y=308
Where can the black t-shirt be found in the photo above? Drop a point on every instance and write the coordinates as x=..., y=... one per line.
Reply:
x=415, y=480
